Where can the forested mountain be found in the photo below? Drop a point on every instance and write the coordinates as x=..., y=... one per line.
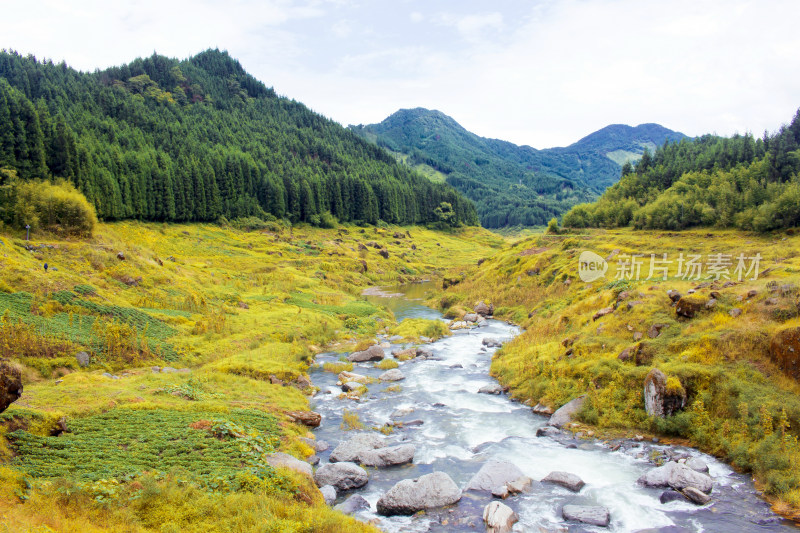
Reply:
x=740, y=182
x=513, y=184
x=168, y=140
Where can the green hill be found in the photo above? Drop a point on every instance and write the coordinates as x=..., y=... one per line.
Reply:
x=510, y=184
x=740, y=182
x=167, y=140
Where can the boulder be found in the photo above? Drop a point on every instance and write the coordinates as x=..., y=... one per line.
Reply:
x=677, y=476
x=565, y=479
x=482, y=309
x=328, y=493
x=697, y=464
x=500, y=492
x=521, y=484
x=424, y=353
x=672, y=496
x=492, y=474
x=540, y=409
x=696, y=496
x=409, y=353
x=412, y=495
x=342, y=476
x=83, y=359
x=594, y=515
x=471, y=317
x=784, y=350
x=499, y=518
x=350, y=450
x=658, y=400
x=392, y=375
x=284, y=460
x=10, y=384
x=308, y=418
x=565, y=413
x=373, y=353
x=492, y=388
x=490, y=342
x=346, y=376
x=353, y=504
x=388, y=456
x=352, y=386
x=688, y=308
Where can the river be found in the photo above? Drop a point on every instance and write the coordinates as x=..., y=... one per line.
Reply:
x=461, y=429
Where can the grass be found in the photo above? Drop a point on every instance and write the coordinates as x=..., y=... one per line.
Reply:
x=243, y=312
x=741, y=406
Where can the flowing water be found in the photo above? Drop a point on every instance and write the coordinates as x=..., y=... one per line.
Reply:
x=461, y=429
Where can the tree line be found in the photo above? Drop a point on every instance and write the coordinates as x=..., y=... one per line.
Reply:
x=195, y=140
x=742, y=181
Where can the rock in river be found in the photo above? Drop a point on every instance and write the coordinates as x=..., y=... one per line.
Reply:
x=499, y=518
x=342, y=476
x=588, y=514
x=494, y=474
x=388, y=456
x=350, y=450
x=353, y=504
x=412, y=495
x=328, y=493
x=373, y=353
x=566, y=480
x=677, y=476
x=392, y=375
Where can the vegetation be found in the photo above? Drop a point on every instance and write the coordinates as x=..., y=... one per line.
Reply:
x=740, y=406
x=239, y=313
x=196, y=140
x=739, y=182
x=512, y=185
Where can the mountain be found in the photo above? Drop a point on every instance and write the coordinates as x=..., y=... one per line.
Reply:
x=194, y=140
x=510, y=184
x=741, y=182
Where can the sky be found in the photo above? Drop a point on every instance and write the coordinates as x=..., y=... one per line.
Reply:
x=541, y=73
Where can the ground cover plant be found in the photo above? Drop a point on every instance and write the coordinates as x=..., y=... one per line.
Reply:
x=197, y=342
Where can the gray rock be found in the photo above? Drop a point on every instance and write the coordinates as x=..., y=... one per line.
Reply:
x=482, y=309
x=395, y=338
x=346, y=376
x=540, y=409
x=677, y=476
x=424, y=353
x=658, y=401
x=500, y=492
x=316, y=445
x=110, y=376
x=313, y=460
x=388, y=456
x=352, y=386
x=499, y=517
x=594, y=515
x=471, y=317
x=83, y=359
x=696, y=496
x=350, y=450
x=522, y=484
x=697, y=464
x=342, y=476
x=284, y=460
x=412, y=495
x=547, y=431
x=672, y=496
x=392, y=375
x=353, y=504
x=565, y=479
x=491, y=342
x=492, y=474
x=492, y=388
x=329, y=493
x=373, y=353
x=564, y=414
x=168, y=370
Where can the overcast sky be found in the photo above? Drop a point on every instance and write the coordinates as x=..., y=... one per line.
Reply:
x=543, y=73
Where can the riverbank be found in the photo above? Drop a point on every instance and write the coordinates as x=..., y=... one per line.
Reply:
x=163, y=366
x=444, y=405
x=713, y=342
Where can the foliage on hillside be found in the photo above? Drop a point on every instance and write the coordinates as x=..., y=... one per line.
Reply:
x=167, y=140
x=511, y=185
x=740, y=405
x=239, y=314
x=737, y=182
